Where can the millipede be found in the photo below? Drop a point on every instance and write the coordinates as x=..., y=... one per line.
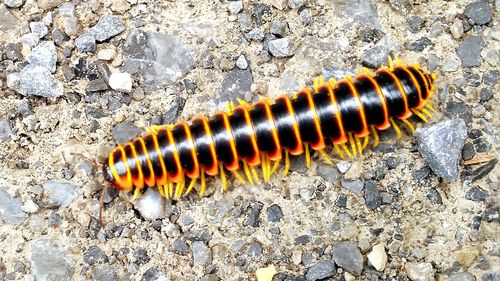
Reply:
x=250, y=141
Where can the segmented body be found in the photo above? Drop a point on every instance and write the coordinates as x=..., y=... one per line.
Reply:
x=331, y=113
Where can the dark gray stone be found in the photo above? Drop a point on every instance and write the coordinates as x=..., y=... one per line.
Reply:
x=469, y=51
x=479, y=12
x=180, y=247
x=152, y=274
x=434, y=196
x=341, y=200
x=125, y=131
x=141, y=257
x=13, y=51
x=253, y=218
x=414, y=23
x=328, y=173
x=54, y=220
x=320, y=270
x=420, y=44
x=355, y=186
x=482, y=171
x=468, y=151
x=95, y=255
x=59, y=37
x=96, y=85
x=236, y=83
x=491, y=77
x=458, y=109
x=104, y=273
x=302, y=239
x=370, y=35
x=274, y=213
x=5, y=130
x=198, y=235
x=347, y=255
x=86, y=43
x=476, y=194
x=441, y=146
x=107, y=27
x=375, y=57
x=372, y=195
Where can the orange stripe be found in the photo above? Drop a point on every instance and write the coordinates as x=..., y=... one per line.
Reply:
x=321, y=142
x=407, y=113
x=415, y=85
x=338, y=117
x=235, y=165
x=300, y=147
x=277, y=154
x=256, y=159
x=214, y=170
x=139, y=182
x=355, y=93
x=196, y=169
x=164, y=175
x=151, y=180
x=180, y=173
x=381, y=96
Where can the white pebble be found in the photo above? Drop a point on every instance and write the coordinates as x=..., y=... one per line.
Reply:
x=151, y=205
x=106, y=54
x=30, y=207
x=378, y=257
x=419, y=271
x=343, y=166
x=121, y=81
x=241, y=62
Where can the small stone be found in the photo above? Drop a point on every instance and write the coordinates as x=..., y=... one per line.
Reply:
x=96, y=85
x=303, y=239
x=458, y=110
x=235, y=7
x=180, y=247
x=39, y=28
x=256, y=34
x=5, y=131
x=479, y=12
x=469, y=51
x=278, y=28
x=372, y=195
x=341, y=201
x=420, y=44
x=434, y=196
x=347, y=255
x=375, y=57
x=281, y=48
x=419, y=271
x=242, y=62
x=414, y=23
x=44, y=55
x=30, y=207
x=378, y=257
x=236, y=84
x=31, y=39
x=58, y=194
x=401, y=5
x=254, y=249
x=120, y=6
x=245, y=20
x=48, y=261
x=274, y=213
x=106, y=54
x=108, y=26
x=491, y=77
x=320, y=270
x=468, y=151
x=10, y=208
x=202, y=255
x=13, y=51
x=125, y=131
x=475, y=194
x=13, y=3
x=59, y=37
x=173, y=114
x=86, y=43
x=67, y=72
x=121, y=82
x=328, y=173
x=355, y=186
x=463, y=276
x=306, y=16
x=104, y=273
x=141, y=256
x=451, y=64
x=253, y=218
x=95, y=255
x=441, y=146
x=54, y=220
x=265, y=273
x=151, y=205
x=295, y=4
x=457, y=29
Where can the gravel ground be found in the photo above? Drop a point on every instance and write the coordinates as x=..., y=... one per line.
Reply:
x=79, y=77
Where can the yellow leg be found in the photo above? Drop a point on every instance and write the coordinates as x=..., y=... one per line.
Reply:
x=408, y=124
x=238, y=176
x=287, y=163
x=376, y=139
x=137, y=192
x=396, y=128
x=203, y=183
x=419, y=114
x=318, y=82
x=308, y=156
x=325, y=156
x=365, y=143
x=426, y=112
x=338, y=150
x=263, y=166
x=366, y=70
x=332, y=83
x=191, y=185
x=398, y=61
x=276, y=164
x=268, y=168
x=223, y=176
x=154, y=129
x=358, y=145
x=170, y=190
x=391, y=63
x=353, y=144
x=430, y=107
x=179, y=188
x=160, y=189
x=346, y=150
x=165, y=191
x=255, y=174
x=247, y=172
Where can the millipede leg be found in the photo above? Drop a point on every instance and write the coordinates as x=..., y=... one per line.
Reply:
x=353, y=144
x=408, y=124
x=338, y=150
x=203, y=183
x=419, y=114
x=137, y=192
x=430, y=107
x=268, y=168
x=358, y=144
x=238, y=176
x=325, y=156
x=160, y=189
x=171, y=190
x=276, y=164
x=179, y=188
x=287, y=163
x=263, y=166
x=165, y=190
x=223, y=176
x=398, y=61
x=308, y=156
x=332, y=83
x=391, y=63
x=396, y=128
x=426, y=112
x=247, y=172
x=376, y=139
x=318, y=81
x=366, y=139
x=346, y=150
x=191, y=185
x=255, y=174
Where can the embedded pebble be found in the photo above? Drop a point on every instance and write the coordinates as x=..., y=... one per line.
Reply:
x=5, y=130
x=441, y=146
x=469, y=51
x=355, y=186
x=378, y=257
x=278, y=28
x=180, y=247
x=13, y=3
x=235, y=7
x=281, y=48
x=320, y=270
x=476, y=194
x=419, y=271
x=106, y=54
x=39, y=28
x=202, y=255
x=120, y=81
x=265, y=273
x=13, y=51
x=347, y=255
x=104, y=273
x=86, y=43
x=108, y=26
x=151, y=205
x=95, y=255
x=44, y=55
x=479, y=12
x=30, y=207
x=49, y=261
x=343, y=166
x=375, y=57
x=242, y=62
x=58, y=194
x=10, y=208
x=372, y=195
x=274, y=213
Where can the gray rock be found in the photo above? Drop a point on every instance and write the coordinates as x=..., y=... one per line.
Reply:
x=158, y=57
x=364, y=12
x=86, y=43
x=420, y=44
x=97, y=85
x=59, y=194
x=39, y=28
x=49, y=261
x=125, y=131
x=59, y=37
x=476, y=194
x=306, y=16
x=441, y=146
x=281, y=48
x=180, y=247
x=328, y=173
x=278, y=28
x=414, y=23
x=458, y=109
x=173, y=114
x=5, y=130
x=31, y=39
x=8, y=22
x=435, y=196
x=253, y=218
x=256, y=34
x=95, y=255
x=107, y=27
x=479, y=12
x=13, y=51
x=347, y=255
x=10, y=208
x=375, y=57
x=54, y=220
x=419, y=271
x=104, y=273
x=44, y=55
x=372, y=195
x=337, y=73
x=245, y=20
x=254, y=249
x=320, y=270
x=67, y=10
x=295, y=4
x=13, y=3
x=235, y=7
x=355, y=186
x=141, y=257
x=462, y=276
x=274, y=213
x=153, y=274
x=201, y=253
x=469, y=51
x=235, y=85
